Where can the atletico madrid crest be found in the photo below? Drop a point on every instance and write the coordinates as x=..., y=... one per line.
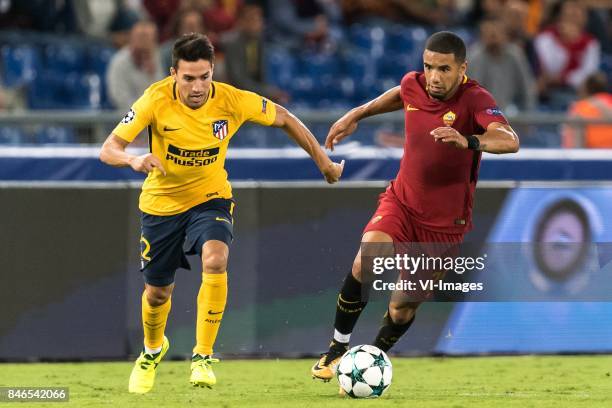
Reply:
x=220, y=129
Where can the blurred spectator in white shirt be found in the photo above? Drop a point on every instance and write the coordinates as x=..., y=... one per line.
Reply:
x=502, y=68
x=104, y=18
x=134, y=67
x=567, y=53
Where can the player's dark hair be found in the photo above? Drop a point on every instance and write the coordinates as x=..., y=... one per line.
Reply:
x=192, y=47
x=446, y=42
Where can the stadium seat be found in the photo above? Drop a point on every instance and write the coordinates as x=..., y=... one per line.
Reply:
x=83, y=90
x=466, y=34
x=395, y=66
x=352, y=92
x=399, y=39
x=56, y=135
x=364, y=134
x=368, y=38
x=65, y=57
x=72, y=90
x=280, y=67
x=406, y=39
x=254, y=136
x=540, y=136
x=419, y=36
x=346, y=88
x=381, y=85
x=20, y=64
x=98, y=57
x=46, y=91
x=302, y=90
x=11, y=135
x=319, y=66
x=359, y=66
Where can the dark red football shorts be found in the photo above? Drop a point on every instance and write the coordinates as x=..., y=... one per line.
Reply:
x=392, y=217
x=409, y=237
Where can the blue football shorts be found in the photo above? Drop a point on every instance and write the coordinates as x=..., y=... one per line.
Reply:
x=166, y=240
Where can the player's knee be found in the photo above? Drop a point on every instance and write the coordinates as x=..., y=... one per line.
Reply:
x=356, y=270
x=214, y=262
x=157, y=296
x=402, y=313
x=362, y=272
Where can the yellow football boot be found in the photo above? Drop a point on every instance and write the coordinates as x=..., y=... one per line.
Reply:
x=143, y=373
x=202, y=374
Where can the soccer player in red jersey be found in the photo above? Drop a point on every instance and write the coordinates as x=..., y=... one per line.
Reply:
x=449, y=120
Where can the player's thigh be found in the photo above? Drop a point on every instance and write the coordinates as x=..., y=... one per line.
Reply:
x=210, y=233
x=382, y=233
x=373, y=244
x=390, y=218
x=161, y=245
x=371, y=237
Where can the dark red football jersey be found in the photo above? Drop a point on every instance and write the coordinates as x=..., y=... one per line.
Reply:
x=436, y=181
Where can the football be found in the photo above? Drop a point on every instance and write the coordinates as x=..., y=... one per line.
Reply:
x=364, y=372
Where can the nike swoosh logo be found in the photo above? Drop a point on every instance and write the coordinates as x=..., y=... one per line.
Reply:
x=411, y=108
x=210, y=312
x=222, y=219
x=167, y=129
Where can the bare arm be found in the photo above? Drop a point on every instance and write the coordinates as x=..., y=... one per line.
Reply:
x=499, y=138
x=113, y=153
x=388, y=102
x=304, y=138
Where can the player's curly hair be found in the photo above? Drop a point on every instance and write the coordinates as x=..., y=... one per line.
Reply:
x=192, y=47
x=446, y=42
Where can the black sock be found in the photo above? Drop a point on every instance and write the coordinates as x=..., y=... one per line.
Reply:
x=350, y=304
x=390, y=332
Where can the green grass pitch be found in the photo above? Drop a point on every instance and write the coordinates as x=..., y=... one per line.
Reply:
x=545, y=381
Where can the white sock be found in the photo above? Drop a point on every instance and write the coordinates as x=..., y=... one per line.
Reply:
x=152, y=350
x=341, y=338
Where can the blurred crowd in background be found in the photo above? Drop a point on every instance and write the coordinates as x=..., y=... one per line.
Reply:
x=533, y=55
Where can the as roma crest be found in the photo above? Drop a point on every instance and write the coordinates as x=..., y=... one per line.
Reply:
x=220, y=129
x=449, y=118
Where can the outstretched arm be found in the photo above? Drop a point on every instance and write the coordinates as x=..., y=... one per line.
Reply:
x=499, y=138
x=304, y=138
x=388, y=102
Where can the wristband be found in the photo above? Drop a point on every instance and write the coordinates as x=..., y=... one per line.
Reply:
x=473, y=142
